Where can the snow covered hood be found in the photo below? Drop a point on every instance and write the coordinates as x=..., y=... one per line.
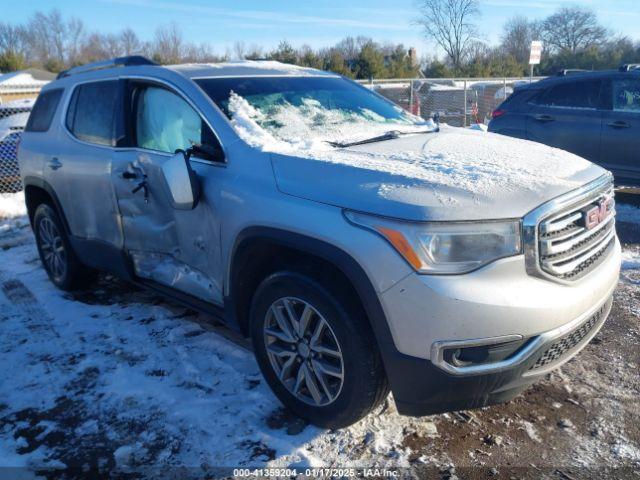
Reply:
x=455, y=174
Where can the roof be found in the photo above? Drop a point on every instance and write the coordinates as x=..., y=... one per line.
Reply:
x=246, y=68
x=582, y=75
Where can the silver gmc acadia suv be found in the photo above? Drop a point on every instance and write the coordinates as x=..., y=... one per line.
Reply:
x=362, y=249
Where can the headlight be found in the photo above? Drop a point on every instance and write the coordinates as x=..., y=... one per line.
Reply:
x=446, y=247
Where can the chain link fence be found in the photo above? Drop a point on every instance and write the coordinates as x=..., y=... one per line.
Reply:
x=16, y=102
x=457, y=102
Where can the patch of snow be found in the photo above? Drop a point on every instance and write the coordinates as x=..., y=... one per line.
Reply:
x=12, y=205
x=383, y=86
x=532, y=433
x=631, y=259
x=248, y=68
x=21, y=103
x=12, y=123
x=479, y=162
x=626, y=451
x=440, y=87
x=20, y=79
x=309, y=126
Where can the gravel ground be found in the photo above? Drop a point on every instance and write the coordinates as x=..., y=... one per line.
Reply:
x=114, y=380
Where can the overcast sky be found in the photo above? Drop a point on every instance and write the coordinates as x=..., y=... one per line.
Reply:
x=316, y=23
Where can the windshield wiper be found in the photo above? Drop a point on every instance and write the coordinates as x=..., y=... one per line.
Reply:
x=380, y=138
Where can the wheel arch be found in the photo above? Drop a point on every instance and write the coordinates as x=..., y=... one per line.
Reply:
x=247, y=267
x=37, y=191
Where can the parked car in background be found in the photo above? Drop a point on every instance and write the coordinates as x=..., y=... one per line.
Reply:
x=360, y=247
x=593, y=114
x=13, y=118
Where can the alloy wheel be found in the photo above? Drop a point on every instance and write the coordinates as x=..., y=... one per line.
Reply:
x=52, y=247
x=303, y=351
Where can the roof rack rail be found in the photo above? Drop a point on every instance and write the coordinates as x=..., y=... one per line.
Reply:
x=571, y=71
x=129, y=61
x=627, y=67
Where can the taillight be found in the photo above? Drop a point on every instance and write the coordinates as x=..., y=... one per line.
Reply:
x=497, y=113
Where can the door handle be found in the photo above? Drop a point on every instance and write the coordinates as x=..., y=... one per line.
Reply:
x=54, y=163
x=619, y=124
x=142, y=177
x=544, y=118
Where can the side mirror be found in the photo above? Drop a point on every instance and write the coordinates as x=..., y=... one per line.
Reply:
x=181, y=181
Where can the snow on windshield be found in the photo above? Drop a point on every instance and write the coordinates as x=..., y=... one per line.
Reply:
x=479, y=162
x=310, y=125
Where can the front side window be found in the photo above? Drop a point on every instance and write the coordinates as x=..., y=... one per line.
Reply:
x=626, y=95
x=90, y=116
x=582, y=94
x=165, y=122
x=43, y=111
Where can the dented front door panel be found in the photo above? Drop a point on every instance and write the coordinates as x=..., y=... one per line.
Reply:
x=176, y=248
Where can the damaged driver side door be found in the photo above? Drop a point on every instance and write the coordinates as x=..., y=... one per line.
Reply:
x=176, y=248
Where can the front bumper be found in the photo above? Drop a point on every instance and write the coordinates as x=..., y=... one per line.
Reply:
x=435, y=390
x=427, y=315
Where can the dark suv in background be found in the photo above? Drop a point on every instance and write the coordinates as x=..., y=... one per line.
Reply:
x=593, y=114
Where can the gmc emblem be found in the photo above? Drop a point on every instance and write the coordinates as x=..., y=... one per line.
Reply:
x=595, y=215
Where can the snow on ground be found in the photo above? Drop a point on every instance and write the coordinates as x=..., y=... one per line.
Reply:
x=479, y=126
x=113, y=379
x=12, y=205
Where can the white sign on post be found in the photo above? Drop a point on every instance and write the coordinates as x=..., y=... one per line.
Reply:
x=536, y=53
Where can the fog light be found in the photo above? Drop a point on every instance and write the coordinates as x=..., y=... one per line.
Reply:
x=483, y=354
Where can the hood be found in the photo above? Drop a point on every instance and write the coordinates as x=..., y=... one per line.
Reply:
x=454, y=174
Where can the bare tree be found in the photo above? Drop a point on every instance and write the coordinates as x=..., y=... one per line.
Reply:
x=129, y=42
x=517, y=35
x=168, y=44
x=239, y=51
x=53, y=41
x=451, y=24
x=73, y=37
x=254, y=52
x=572, y=29
x=12, y=39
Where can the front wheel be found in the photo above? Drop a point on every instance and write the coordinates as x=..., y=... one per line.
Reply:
x=316, y=351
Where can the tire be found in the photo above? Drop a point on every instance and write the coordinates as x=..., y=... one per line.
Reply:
x=348, y=385
x=56, y=254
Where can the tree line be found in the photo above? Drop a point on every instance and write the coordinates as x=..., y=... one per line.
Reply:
x=573, y=37
x=51, y=42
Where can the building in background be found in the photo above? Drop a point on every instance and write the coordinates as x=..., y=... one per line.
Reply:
x=23, y=84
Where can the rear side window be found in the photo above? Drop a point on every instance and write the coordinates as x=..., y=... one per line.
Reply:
x=90, y=116
x=43, y=111
x=584, y=94
x=626, y=95
x=516, y=95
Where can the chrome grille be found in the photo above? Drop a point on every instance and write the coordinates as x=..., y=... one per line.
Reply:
x=569, y=246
